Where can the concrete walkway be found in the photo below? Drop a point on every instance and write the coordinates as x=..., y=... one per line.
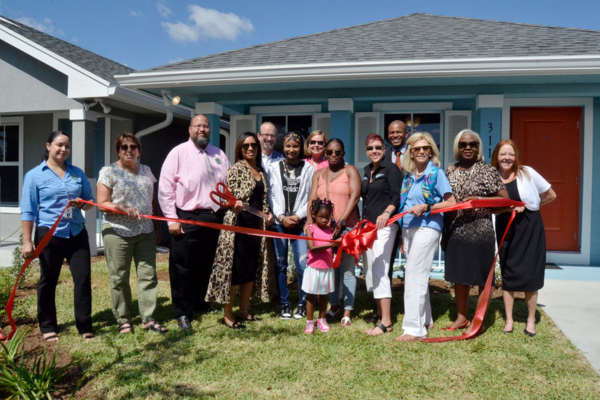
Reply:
x=571, y=297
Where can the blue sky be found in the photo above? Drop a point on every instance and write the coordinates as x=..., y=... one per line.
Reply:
x=148, y=33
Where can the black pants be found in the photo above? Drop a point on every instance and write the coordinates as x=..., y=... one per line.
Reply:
x=76, y=250
x=191, y=262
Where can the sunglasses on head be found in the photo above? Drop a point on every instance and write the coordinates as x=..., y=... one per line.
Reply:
x=418, y=149
x=317, y=142
x=125, y=147
x=337, y=152
x=371, y=148
x=246, y=146
x=473, y=145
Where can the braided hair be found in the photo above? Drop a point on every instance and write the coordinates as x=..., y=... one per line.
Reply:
x=318, y=203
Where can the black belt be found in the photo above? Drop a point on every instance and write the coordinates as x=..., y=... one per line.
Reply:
x=199, y=211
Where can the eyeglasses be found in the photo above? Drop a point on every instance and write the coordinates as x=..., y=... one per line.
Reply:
x=418, y=149
x=125, y=147
x=473, y=145
x=246, y=146
x=200, y=126
x=317, y=142
x=371, y=148
x=337, y=152
x=267, y=136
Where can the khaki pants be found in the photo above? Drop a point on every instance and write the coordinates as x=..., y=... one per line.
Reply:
x=119, y=252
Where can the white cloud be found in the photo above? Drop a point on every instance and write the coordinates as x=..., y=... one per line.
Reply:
x=163, y=10
x=75, y=39
x=46, y=25
x=135, y=13
x=175, y=60
x=208, y=23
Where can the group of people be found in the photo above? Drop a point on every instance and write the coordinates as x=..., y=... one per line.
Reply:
x=315, y=197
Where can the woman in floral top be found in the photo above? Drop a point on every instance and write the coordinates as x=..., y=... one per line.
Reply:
x=468, y=235
x=129, y=187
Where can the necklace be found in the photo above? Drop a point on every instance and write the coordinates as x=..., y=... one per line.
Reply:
x=291, y=173
x=333, y=174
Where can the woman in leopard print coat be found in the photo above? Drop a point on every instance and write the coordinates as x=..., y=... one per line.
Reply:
x=241, y=184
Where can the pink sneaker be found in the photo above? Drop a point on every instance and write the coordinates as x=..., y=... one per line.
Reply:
x=322, y=325
x=310, y=327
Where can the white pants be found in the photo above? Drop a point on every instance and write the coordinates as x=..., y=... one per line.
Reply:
x=419, y=247
x=377, y=263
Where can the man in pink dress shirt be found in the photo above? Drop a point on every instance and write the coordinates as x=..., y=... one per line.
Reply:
x=189, y=173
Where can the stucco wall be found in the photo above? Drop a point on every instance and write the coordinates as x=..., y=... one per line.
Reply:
x=37, y=129
x=30, y=84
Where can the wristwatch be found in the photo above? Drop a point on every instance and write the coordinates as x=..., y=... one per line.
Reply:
x=342, y=222
x=428, y=207
x=280, y=218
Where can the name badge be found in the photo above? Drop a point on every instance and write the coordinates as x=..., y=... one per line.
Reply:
x=68, y=213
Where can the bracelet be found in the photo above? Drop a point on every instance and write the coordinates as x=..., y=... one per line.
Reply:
x=27, y=241
x=387, y=212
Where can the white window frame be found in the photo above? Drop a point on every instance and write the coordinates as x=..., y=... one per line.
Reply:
x=19, y=122
x=581, y=257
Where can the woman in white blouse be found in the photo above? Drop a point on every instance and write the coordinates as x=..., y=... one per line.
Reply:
x=129, y=187
x=523, y=253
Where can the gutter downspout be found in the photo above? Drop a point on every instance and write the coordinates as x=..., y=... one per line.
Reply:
x=154, y=128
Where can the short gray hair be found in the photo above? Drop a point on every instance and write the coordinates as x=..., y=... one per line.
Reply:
x=457, y=140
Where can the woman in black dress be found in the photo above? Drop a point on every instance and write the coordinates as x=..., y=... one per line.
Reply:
x=468, y=235
x=523, y=253
x=240, y=261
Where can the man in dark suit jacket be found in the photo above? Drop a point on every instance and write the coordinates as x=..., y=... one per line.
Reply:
x=396, y=137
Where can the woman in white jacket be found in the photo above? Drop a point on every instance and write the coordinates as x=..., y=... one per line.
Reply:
x=290, y=181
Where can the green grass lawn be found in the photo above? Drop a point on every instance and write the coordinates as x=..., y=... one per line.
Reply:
x=275, y=359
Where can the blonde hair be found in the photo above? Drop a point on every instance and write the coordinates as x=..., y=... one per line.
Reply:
x=457, y=139
x=307, y=150
x=407, y=162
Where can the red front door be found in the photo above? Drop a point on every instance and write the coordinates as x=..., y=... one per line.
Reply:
x=549, y=140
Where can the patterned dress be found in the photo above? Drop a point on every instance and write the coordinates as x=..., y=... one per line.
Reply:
x=241, y=184
x=468, y=236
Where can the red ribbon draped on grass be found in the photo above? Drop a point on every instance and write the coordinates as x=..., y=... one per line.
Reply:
x=354, y=243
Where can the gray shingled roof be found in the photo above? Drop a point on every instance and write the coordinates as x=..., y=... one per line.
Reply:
x=92, y=62
x=414, y=36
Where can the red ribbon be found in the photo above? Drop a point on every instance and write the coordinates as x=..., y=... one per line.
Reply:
x=354, y=243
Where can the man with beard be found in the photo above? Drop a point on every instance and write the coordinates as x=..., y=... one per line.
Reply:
x=396, y=137
x=189, y=173
x=267, y=135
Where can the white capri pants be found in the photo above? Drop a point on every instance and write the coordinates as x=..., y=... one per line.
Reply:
x=419, y=247
x=377, y=263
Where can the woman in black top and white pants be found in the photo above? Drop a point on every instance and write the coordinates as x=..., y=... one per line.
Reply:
x=381, y=196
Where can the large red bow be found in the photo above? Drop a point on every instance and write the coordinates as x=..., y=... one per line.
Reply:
x=357, y=241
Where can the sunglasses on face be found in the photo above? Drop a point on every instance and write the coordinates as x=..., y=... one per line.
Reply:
x=125, y=147
x=331, y=152
x=418, y=149
x=317, y=142
x=371, y=148
x=464, y=145
x=246, y=146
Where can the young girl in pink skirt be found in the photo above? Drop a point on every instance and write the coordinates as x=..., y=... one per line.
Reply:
x=318, y=276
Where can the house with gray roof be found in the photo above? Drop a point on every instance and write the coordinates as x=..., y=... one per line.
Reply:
x=539, y=85
x=48, y=84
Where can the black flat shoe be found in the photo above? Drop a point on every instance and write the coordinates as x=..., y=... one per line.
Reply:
x=236, y=324
x=528, y=333
x=183, y=323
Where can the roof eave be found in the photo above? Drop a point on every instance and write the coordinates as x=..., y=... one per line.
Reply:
x=460, y=67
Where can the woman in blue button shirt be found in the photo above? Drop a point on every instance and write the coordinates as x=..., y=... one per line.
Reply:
x=424, y=188
x=47, y=190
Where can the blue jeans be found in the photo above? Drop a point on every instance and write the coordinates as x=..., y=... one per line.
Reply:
x=300, y=253
x=348, y=281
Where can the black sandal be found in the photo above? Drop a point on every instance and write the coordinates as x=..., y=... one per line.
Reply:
x=156, y=327
x=384, y=329
x=251, y=319
x=236, y=324
x=373, y=319
x=49, y=338
x=125, y=325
